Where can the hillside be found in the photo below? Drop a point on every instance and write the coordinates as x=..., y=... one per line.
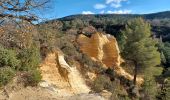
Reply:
x=113, y=23
x=86, y=57
x=159, y=15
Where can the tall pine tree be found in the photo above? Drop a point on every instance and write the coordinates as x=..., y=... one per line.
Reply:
x=140, y=47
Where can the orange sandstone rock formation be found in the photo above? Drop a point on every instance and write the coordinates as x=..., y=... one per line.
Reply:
x=67, y=79
x=104, y=48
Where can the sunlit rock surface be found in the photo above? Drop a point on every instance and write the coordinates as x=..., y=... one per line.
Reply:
x=101, y=47
x=104, y=48
x=66, y=78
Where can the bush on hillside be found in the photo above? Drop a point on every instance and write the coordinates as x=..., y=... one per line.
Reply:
x=48, y=35
x=6, y=75
x=30, y=58
x=32, y=77
x=8, y=58
x=90, y=65
x=102, y=82
x=150, y=88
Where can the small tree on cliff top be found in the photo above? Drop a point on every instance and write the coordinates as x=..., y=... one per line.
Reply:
x=140, y=47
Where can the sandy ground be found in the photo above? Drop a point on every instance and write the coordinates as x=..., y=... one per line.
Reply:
x=38, y=93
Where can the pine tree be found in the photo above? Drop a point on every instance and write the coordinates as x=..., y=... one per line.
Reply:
x=140, y=47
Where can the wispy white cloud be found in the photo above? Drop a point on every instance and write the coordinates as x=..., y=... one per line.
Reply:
x=119, y=12
x=100, y=6
x=116, y=5
x=87, y=12
x=109, y=1
x=114, y=1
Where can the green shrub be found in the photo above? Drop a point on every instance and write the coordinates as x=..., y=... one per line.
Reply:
x=33, y=77
x=150, y=87
x=90, y=65
x=48, y=34
x=102, y=83
x=86, y=60
x=118, y=91
x=8, y=58
x=30, y=58
x=6, y=75
x=66, y=45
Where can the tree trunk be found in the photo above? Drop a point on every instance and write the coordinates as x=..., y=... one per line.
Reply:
x=135, y=74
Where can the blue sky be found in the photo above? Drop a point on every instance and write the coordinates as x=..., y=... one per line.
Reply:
x=61, y=8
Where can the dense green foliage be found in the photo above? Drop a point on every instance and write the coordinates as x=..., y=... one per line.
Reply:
x=164, y=48
x=164, y=90
x=8, y=64
x=33, y=77
x=166, y=52
x=27, y=60
x=8, y=58
x=30, y=58
x=48, y=33
x=140, y=47
x=150, y=88
x=6, y=75
x=19, y=52
x=102, y=82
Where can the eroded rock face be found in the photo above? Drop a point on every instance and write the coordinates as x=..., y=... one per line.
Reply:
x=67, y=79
x=104, y=48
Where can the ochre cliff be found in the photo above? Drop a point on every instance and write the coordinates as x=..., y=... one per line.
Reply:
x=68, y=80
x=104, y=48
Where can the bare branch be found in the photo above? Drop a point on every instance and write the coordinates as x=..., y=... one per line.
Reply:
x=21, y=9
x=27, y=18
